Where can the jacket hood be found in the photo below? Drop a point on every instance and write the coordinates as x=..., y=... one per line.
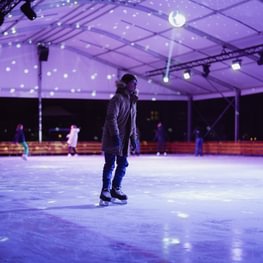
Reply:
x=121, y=87
x=120, y=84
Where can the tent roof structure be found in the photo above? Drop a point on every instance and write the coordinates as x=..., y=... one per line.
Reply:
x=91, y=43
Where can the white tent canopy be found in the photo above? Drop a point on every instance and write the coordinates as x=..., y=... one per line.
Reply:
x=91, y=43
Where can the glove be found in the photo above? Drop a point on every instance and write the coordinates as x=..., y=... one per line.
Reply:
x=116, y=140
x=133, y=145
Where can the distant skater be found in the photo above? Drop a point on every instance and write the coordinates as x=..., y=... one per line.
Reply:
x=72, y=140
x=198, y=142
x=20, y=138
x=160, y=138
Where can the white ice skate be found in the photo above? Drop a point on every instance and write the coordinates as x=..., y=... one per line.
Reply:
x=105, y=197
x=118, y=196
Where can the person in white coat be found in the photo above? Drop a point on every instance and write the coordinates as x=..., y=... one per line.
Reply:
x=72, y=140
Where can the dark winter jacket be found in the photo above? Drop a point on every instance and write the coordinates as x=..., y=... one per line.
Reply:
x=19, y=136
x=120, y=121
x=160, y=135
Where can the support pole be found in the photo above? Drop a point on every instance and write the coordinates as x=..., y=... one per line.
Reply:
x=189, y=118
x=39, y=100
x=237, y=108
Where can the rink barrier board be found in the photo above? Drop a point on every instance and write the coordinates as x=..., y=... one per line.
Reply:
x=61, y=148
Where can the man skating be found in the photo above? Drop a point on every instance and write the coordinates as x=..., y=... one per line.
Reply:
x=119, y=132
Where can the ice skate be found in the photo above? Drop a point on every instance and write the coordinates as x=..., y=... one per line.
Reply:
x=24, y=157
x=117, y=194
x=105, y=197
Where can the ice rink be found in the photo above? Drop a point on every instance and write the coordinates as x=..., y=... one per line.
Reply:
x=181, y=209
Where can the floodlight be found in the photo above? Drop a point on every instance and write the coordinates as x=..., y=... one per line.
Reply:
x=165, y=79
x=206, y=70
x=187, y=74
x=236, y=64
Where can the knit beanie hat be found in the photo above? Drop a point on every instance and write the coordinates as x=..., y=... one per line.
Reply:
x=126, y=78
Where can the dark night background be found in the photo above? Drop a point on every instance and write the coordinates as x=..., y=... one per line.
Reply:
x=59, y=114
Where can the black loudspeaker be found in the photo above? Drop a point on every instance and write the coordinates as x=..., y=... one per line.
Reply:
x=43, y=53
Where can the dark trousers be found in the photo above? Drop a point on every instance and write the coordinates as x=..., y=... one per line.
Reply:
x=161, y=145
x=199, y=146
x=108, y=168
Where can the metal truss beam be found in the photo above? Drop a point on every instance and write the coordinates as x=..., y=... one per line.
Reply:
x=6, y=6
x=209, y=60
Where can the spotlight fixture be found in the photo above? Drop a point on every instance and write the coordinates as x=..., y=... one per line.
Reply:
x=187, y=74
x=165, y=79
x=236, y=64
x=260, y=60
x=206, y=70
x=28, y=10
x=176, y=19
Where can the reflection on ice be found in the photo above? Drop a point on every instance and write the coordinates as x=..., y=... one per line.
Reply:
x=181, y=209
x=3, y=239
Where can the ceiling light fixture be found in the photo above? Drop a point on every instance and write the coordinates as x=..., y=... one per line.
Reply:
x=260, y=60
x=28, y=11
x=187, y=74
x=236, y=64
x=165, y=79
x=206, y=70
x=176, y=19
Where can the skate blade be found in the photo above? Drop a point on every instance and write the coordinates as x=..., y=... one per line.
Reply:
x=118, y=201
x=104, y=203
